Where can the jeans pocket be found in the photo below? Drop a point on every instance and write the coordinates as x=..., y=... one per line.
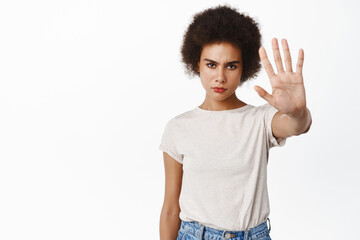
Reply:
x=265, y=236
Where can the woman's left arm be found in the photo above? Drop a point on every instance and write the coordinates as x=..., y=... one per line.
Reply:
x=288, y=93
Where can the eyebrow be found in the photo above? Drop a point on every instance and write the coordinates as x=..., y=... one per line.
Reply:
x=232, y=62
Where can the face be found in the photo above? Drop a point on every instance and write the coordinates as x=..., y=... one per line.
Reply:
x=220, y=65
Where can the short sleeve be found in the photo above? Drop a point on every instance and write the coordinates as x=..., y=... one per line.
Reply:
x=269, y=114
x=168, y=142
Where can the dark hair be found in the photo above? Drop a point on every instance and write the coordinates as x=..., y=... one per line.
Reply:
x=222, y=24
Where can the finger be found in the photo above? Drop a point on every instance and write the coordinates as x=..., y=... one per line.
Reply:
x=300, y=61
x=265, y=61
x=277, y=56
x=264, y=94
x=287, y=55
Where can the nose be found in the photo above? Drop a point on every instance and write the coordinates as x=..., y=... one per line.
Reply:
x=221, y=75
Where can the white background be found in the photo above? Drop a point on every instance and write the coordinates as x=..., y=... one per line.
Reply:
x=86, y=88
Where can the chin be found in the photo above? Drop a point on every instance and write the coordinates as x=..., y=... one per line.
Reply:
x=220, y=97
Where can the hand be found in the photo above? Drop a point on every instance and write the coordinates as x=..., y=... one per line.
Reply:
x=288, y=92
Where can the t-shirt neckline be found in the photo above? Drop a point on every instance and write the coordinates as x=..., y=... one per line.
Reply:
x=223, y=111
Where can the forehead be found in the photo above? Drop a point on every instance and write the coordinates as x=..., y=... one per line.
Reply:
x=221, y=51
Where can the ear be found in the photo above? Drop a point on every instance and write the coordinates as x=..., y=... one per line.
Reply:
x=198, y=67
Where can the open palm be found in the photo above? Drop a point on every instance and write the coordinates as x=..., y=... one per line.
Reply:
x=288, y=92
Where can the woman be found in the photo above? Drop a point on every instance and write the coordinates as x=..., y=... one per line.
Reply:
x=215, y=155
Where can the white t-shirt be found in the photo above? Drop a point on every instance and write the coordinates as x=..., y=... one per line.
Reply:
x=224, y=156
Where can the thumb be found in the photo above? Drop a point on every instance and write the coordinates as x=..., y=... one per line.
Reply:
x=264, y=94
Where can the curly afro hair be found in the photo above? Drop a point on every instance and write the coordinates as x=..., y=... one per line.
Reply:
x=222, y=24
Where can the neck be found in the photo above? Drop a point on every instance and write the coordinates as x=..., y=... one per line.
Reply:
x=231, y=102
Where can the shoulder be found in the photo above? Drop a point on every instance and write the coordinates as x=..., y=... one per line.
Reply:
x=179, y=120
x=261, y=110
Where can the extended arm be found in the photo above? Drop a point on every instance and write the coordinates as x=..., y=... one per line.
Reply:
x=285, y=125
x=288, y=93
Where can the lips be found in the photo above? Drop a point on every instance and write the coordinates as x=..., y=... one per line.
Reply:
x=219, y=90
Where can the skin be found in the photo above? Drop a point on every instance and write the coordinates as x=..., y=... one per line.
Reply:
x=288, y=92
x=223, y=73
x=170, y=221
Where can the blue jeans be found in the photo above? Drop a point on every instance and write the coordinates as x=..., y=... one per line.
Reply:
x=196, y=231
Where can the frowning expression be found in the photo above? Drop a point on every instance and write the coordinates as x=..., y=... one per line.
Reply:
x=220, y=66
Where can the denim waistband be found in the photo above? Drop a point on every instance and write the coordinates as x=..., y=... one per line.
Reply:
x=199, y=230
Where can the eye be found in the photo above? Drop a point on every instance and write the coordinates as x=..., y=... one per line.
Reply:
x=209, y=64
x=234, y=67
